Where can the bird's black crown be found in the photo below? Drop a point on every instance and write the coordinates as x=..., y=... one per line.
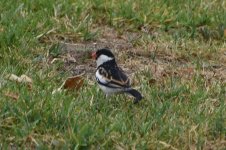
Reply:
x=104, y=51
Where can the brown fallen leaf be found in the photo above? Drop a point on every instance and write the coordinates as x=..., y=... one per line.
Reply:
x=14, y=96
x=71, y=83
x=74, y=82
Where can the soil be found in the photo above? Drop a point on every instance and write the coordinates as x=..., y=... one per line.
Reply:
x=155, y=59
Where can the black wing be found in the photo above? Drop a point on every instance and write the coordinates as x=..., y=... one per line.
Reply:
x=113, y=76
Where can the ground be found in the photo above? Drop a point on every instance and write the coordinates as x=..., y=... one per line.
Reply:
x=175, y=57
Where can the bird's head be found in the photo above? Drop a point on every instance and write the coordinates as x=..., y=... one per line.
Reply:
x=102, y=55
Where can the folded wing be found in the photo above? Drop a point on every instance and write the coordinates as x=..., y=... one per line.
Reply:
x=113, y=77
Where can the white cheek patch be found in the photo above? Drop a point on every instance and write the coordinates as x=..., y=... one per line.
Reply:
x=102, y=59
x=100, y=77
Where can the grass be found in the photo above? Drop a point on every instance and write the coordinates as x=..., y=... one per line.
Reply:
x=176, y=113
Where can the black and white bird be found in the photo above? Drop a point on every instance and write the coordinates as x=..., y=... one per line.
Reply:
x=110, y=77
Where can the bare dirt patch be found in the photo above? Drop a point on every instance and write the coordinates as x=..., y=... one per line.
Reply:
x=157, y=58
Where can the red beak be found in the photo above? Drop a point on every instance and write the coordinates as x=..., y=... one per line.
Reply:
x=94, y=55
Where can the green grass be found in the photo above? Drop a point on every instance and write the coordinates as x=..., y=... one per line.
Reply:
x=175, y=113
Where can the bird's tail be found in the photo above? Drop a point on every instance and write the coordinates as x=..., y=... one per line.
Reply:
x=135, y=94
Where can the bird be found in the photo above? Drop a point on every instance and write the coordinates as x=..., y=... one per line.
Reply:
x=110, y=77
